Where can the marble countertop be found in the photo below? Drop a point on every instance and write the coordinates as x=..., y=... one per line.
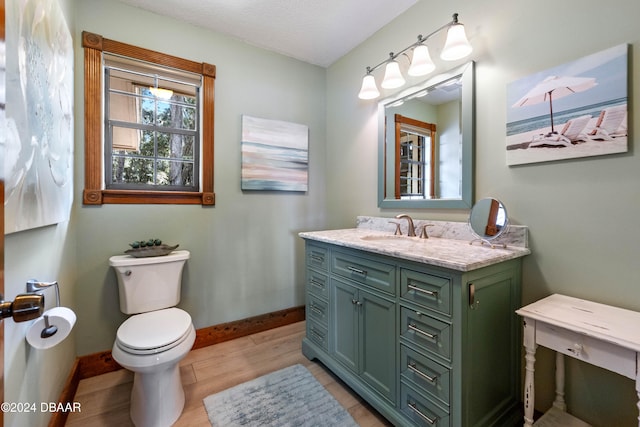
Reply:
x=442, y=252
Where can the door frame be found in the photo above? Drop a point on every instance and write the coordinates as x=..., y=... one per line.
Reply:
x=2, y=15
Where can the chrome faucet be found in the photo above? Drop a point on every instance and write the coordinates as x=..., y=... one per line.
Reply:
x=411, y=231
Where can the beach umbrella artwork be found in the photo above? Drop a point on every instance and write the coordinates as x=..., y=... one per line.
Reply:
x=554, y=87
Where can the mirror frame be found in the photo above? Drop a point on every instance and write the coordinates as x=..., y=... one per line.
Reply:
x=467, y=130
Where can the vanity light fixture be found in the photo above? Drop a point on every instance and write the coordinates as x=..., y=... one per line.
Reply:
x=455, y=47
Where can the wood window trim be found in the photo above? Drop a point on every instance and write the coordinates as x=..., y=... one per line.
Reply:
x=399, y=121
x=93, y=193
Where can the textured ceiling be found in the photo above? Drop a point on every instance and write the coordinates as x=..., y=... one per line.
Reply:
x=314, y=31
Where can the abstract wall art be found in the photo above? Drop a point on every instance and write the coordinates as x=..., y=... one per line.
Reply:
x=38, y=142
x=275, y=155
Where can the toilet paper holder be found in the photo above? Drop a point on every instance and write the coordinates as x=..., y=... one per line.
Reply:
x=34, y=286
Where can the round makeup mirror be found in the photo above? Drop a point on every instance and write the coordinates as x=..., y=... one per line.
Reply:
x=488, y=220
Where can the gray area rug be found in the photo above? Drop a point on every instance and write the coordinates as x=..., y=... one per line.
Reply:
x=288, y=397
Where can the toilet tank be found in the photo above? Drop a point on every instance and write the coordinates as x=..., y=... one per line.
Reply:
x=150, y=283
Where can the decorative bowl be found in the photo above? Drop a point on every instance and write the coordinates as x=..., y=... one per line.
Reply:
x=149, y=251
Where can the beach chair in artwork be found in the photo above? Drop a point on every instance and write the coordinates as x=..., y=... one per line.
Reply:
x=572, y=133
x=611, y=123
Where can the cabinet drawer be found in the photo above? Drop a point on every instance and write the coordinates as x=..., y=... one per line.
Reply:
x=426, y=332
x=369, y=272
x=422, y=411
x=318, y=310
x=592, y=351
x=317, y=283
x=317, y=257
x=429, y=291
x=318, y=334
x=432, y=377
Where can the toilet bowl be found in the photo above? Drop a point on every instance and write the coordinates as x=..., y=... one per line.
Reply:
x=151, y=345
x=155, y=338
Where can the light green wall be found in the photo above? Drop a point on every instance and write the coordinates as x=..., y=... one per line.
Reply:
x=582, y=213
x=244, y=251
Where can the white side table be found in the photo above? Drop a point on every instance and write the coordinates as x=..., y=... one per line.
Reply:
x=595, y=333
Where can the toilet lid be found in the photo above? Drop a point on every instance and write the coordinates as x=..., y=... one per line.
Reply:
x=154, y=331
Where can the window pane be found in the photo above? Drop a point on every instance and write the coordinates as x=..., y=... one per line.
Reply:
x=132, y=170
x=175, y=114
x=175, y=146
x=123, y=108
x=125, y=139
x=175, y=173
x=152, y=122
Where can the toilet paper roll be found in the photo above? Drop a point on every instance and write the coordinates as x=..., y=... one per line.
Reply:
x=62, y=318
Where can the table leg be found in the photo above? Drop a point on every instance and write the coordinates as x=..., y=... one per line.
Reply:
x=530, y=359
x=559, y=401
x=638, y=383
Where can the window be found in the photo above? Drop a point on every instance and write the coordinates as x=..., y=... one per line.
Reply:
x=415, y=158
x=156, y=135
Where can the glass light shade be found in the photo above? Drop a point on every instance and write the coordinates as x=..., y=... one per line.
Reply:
x=158, y=92
x=456, y=46
x=369, y=90
x=392, y=76
x=421, y=62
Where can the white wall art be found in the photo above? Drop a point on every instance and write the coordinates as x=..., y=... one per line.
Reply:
x=275, y=155
x=577, y=109
x=38, y=142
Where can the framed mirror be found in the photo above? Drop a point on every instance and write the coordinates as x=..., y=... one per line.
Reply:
x=488, y=220
x=425, y=143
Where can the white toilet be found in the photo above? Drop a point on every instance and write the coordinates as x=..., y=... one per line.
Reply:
x=156, y=337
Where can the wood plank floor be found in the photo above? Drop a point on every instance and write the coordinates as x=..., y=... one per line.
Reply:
x=104, y=399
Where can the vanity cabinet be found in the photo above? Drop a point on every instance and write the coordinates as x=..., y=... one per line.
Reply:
x=424, y=345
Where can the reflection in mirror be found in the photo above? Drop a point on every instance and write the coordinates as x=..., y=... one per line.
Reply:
x=415, y=158
x=488, y=220
x=426, y=143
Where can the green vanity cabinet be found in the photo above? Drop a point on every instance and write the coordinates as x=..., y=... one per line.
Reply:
x=317, y=294
x=362, y=329
x=424, y=345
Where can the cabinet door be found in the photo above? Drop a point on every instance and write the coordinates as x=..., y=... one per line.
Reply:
x=344, y=324
x=492, y=338
x=377, y=336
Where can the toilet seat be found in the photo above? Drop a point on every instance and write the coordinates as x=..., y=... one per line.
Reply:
x=154, y=332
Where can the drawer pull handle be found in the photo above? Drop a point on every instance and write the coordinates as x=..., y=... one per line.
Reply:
x=414, y=328
x=357, y=270
x=317, y=284
x=412, y=368
x=318, y=258
x=317, y=334
x=415, y=409
x=316, y=309
x=356, y=302
x=424, y=291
